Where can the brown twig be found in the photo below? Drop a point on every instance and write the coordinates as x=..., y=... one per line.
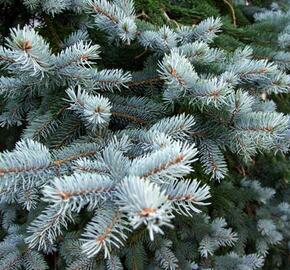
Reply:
x=143, y=15
x=169, y=19
x=227, y=2
x=141, y=54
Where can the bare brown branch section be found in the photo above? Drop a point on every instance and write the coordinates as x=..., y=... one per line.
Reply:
x=57, y=163
x=150, y=81
x=130, y=117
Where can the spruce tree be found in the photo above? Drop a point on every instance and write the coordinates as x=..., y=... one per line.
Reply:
x=138, y=140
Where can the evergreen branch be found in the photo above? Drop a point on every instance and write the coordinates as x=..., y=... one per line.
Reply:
x=59, y=162
x=73, y=129
x=144, y=203
x=212, y=160
x=167, y=163
x=104, y=231
x=186, y=194
x=95, y=110
x=78, y=190
x=97, y=5
x=45, y=229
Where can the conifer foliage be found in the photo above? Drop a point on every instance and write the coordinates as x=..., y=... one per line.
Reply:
x=103, y=176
